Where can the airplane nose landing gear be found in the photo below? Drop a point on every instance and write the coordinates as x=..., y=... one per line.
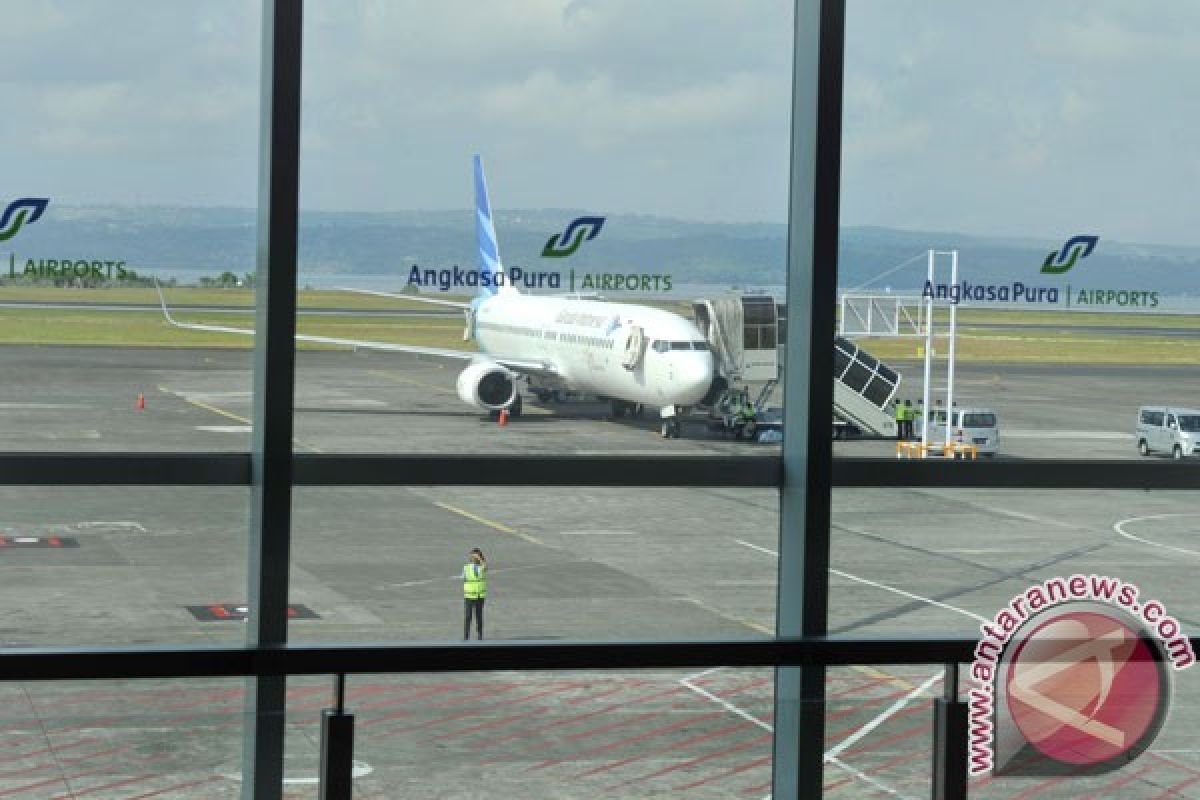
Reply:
x=670, y=422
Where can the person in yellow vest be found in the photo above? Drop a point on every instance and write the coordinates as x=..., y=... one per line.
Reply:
x=474, y=576
x=901, y=434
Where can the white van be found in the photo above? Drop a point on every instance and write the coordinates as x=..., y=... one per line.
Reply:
x=1162, y=429
x=977, y=426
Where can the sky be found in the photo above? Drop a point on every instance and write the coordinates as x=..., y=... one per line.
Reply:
x=1025, y=118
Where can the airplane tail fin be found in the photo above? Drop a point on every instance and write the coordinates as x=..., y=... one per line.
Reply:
x=492, y=278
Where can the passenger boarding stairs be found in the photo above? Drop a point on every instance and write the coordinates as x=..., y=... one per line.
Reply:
x=863, y=388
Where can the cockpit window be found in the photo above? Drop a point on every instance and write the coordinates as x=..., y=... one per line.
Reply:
x=699, y=345
x=681, y=345
x=660, y=346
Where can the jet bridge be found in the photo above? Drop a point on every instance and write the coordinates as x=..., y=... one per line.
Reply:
x=747, y=334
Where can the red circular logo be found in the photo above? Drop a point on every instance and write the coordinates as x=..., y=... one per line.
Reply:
x=1085, y=688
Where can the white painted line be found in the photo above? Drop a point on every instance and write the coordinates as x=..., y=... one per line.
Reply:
x=40, y=406
x=1119, y=527
x=878, y=585
x=120, y=523
x=874, y=782
x=598, y=533
x=1018, y=433
x=1008, y=512
x=887, y=714
x=224, y=428
x=728, y=706
x=756, y=547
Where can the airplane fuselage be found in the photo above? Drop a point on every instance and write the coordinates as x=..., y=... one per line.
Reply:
x=586, y=341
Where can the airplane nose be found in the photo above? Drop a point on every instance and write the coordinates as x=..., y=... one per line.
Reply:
x=695, y=376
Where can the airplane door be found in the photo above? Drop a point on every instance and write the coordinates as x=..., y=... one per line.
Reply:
x=635, y=348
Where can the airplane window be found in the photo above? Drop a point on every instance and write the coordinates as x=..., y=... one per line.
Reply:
x=660, y=346
x=681, y=345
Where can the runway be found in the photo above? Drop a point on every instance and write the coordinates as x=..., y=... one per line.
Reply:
x=380, y=564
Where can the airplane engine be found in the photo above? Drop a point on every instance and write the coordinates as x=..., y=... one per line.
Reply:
x=487, y=385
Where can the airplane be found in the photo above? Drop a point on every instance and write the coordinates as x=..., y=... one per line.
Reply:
x=631, y=355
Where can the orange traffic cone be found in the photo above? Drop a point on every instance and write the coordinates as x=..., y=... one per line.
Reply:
x=503, y=417
x=140, y=405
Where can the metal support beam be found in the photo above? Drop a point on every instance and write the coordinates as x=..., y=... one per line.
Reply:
x=951, y=719
x=798, y=766
x=274, y=377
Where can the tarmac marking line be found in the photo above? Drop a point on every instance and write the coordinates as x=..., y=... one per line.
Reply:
x=729, y=773
x=74, y=793
x=575, y=718
x=1119, y=527
x=629, y=740
x=754, y=626
x=766, y=737
x=228, y=414
x=476, y=710
x=489, y=523
x=187, y=785
x=891, y=762
x=691, y=740
x=458, y=701
x=887, y=714
x=871, y=670
x=504, y=720
x=1172, y=791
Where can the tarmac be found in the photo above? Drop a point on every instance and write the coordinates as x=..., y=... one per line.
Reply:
x=149, y=566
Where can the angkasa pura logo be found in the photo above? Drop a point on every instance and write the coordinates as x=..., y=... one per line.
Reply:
x=1077, y=247
x=580, y=230
x=19, y=213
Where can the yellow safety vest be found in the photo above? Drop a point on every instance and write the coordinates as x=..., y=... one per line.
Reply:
x=900, y=415
x=474, y=581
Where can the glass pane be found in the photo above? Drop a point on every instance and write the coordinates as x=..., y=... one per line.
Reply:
x=388, y=564
x=128, y=174
x=608, y=214
x=1070, y=315
x=879, y=731
x=133, y=739
x=999, y=567
x=702, y=733
x=123, y=566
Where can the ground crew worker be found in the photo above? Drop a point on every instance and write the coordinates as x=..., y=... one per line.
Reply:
x=900, y=432
x=910, y=416
x=474, y=592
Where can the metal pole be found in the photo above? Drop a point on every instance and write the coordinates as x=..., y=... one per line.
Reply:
x=803, y=594
x=926, y=422
x=951, y=718
x=950, y=352
x=337, y=747
x=274, y=377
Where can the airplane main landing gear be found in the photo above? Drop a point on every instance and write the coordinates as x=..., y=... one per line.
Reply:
x=670, y=422
x=622, y=407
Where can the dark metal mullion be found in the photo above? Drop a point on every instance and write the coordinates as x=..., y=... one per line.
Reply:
x=274, y=379
x=749, y=471
x=803, y=586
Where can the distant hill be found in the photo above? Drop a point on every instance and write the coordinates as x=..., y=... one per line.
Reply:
x=159, y=239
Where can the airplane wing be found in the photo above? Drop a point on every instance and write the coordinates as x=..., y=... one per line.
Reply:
x=521, y=365
x=398, y=296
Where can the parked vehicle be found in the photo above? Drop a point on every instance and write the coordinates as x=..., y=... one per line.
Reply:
x=977, y=426
x=1163, y=429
